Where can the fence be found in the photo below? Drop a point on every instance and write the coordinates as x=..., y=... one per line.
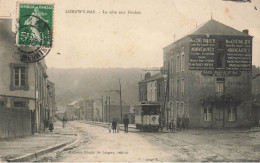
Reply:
x=14, y=122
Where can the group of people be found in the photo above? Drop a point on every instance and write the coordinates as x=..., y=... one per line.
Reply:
x=116, y=125
x=181, y=124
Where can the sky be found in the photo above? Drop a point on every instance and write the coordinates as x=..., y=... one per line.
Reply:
x=133, y=40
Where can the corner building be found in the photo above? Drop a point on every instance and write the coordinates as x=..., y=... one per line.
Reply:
x=209, y=73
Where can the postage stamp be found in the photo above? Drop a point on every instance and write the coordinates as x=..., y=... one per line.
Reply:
x=35, y=25
x=35, y=31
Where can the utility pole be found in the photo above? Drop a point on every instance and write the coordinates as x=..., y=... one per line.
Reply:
x=106, y=108
x=120, y=93
x=102, y=110
x=166, y=97
x=109, y=108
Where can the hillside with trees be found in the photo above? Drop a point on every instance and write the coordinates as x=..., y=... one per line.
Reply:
x=75, y=84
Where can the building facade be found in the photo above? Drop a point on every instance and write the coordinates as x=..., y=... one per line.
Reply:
x=152, y=88
x=23, y=88
x=209, y=75
x=85, y=109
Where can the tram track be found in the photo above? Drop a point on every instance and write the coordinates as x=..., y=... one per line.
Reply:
x=191, y=147
x=249, y=156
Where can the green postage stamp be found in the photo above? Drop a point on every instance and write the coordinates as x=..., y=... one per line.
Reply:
x=35, y=26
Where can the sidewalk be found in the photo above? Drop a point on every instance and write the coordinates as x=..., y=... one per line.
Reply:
x=30, y=146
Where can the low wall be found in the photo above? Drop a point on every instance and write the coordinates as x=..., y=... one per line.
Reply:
x=14, y=122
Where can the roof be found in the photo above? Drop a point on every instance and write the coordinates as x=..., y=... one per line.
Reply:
x=213, y=27
x=154, y=77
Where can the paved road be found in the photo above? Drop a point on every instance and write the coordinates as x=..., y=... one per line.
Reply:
x=98, y=145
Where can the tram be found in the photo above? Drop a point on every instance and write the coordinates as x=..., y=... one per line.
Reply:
x=147, y=116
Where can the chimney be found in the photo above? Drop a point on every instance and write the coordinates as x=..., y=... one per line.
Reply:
x=6, y=25
x=147, y=75
x=161, y=70
x=6, y=33
x=245, y=31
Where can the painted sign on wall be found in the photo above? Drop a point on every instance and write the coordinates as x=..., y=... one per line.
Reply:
x=239, y=54
x=236, y=53
x=202, y=53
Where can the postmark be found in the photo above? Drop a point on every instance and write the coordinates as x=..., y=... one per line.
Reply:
x=35, y=31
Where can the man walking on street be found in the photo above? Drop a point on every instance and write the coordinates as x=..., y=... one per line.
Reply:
x=126, y=122
x=114, y=126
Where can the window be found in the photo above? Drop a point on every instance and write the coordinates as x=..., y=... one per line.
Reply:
x=232, y=114
x=19, y=77
x=220, y=45
x=220, y=60
x=220, y=55
x=159, y=90
x=220, y=83
x=177, y=63
x=182, y=62
x=182, y=86
x=2, y=104
x=20, y=104
x=171, y=109
x=208, y=114
x=171, y=87
x=178, y=87
x=182, y=59
x=181, y=110
x=177, y=108
x=171, y=65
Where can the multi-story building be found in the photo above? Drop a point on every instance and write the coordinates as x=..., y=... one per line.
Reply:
x=73, y=110
x=152, y=88
x=210, y=76
x=23, y=87
x=85, y=109
x=89, y=108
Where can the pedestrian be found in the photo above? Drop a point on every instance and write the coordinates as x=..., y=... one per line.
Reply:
x=171, y=126
x=174, y=125
x=126, y=122
x=109, y=128
x=118, y=127
x=51, y=127
x=114, y=126
x=160, y=123
x=63, y=122
x=183, y=123
x=178, y=123
x=187, y=122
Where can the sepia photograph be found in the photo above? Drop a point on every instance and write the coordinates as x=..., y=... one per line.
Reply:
x=129, y=81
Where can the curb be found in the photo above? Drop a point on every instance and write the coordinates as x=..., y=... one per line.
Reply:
x=30, y=156
x=41, y=152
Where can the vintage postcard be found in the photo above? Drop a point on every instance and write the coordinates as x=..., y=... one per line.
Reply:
x=129, y=81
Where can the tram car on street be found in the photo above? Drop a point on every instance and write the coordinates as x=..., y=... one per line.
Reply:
x=147, y=116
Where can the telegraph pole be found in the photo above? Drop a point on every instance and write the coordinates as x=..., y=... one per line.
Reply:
x=106, y=108
x=120, y=101
x=109, y=108
x=102, y=109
